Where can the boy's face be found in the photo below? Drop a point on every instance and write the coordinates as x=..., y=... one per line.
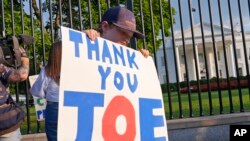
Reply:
x=116, y=34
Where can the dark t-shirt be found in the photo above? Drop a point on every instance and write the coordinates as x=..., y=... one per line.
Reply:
x=4, y=84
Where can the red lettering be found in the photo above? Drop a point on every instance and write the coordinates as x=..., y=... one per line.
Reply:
x=119, y=105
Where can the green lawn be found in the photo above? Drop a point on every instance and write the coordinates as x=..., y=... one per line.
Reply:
x=33, y=123
x=205, y=103
x=175, y=107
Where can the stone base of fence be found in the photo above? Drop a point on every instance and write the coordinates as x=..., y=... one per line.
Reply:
x=206, y=128
x=34, y=137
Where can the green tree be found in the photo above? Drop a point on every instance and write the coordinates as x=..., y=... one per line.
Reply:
x=92, y=22
x=16, y=21
x=157, y=21
x=77, y=20
x=16, y=24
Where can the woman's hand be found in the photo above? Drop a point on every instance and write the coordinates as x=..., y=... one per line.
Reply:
x=144, y=52
x=92, y=34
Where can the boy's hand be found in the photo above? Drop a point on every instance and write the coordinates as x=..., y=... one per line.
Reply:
x=92, y=34
x=144, y=52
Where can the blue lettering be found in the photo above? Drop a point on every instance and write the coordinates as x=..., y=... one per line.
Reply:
x=93, y=47
x=131, y=59
x=104, y=75
x=85, y=102
x=76, y=37
x=40, y=114
x=132, y=87
x=106, y=53
x=118, y=80
x=148, y=121
x=119, y=54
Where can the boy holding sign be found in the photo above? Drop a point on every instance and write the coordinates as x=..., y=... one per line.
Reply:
x=118, y=25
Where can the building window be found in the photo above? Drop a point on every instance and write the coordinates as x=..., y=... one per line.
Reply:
x=162, y=61
x=249, y=53
x=182, y=59
x=201, y=57
x=220, y=73
x=185, y=76
x=218, y=54
x=240, y=71
x=238, y=53
x=164, y=79
x=203, y=77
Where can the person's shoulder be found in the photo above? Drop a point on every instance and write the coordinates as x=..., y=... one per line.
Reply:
x=42, y=73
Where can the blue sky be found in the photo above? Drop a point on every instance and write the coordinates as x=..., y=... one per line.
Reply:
x=215, y=12
x=205, y=14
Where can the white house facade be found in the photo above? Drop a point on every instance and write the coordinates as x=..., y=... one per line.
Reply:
x=210, y=49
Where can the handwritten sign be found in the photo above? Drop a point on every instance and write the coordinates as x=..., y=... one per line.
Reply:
x=108, y=92
x=40, y=103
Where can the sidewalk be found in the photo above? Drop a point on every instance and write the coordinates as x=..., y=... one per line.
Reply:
x=34, y=137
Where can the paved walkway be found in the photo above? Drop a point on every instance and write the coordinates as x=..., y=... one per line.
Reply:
x=34, y=137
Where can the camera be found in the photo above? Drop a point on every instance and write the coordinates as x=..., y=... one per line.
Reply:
x=10, y=54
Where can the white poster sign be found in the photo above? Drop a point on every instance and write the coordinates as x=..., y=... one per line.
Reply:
x=40, y=103
x=108, y=92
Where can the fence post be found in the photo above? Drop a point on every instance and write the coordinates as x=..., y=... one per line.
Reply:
x=132, y=40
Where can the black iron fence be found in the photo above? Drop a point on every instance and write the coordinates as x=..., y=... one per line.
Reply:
x=200, y=47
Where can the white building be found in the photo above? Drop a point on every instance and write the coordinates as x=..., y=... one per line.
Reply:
x=188, y=45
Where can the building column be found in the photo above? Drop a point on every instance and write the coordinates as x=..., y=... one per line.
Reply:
x=231, y=63
x=178, y=64
x=198, y=62
x=210, y=63
x=191, y=64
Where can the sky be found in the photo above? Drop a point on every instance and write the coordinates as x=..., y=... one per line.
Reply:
x=215, y=13
x=205, y=12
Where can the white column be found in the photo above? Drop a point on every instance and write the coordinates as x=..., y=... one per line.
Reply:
x=178, y=64
x=198, y=62
x=244, y=71
x=210, y=63
x=231, y=63
x=190, y=63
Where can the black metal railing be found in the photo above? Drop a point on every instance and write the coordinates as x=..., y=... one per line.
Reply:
x=190, y=36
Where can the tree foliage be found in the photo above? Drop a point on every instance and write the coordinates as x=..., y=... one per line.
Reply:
x=79, y=16
x=42, y=21
x=92, y=21
x=19, y=21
